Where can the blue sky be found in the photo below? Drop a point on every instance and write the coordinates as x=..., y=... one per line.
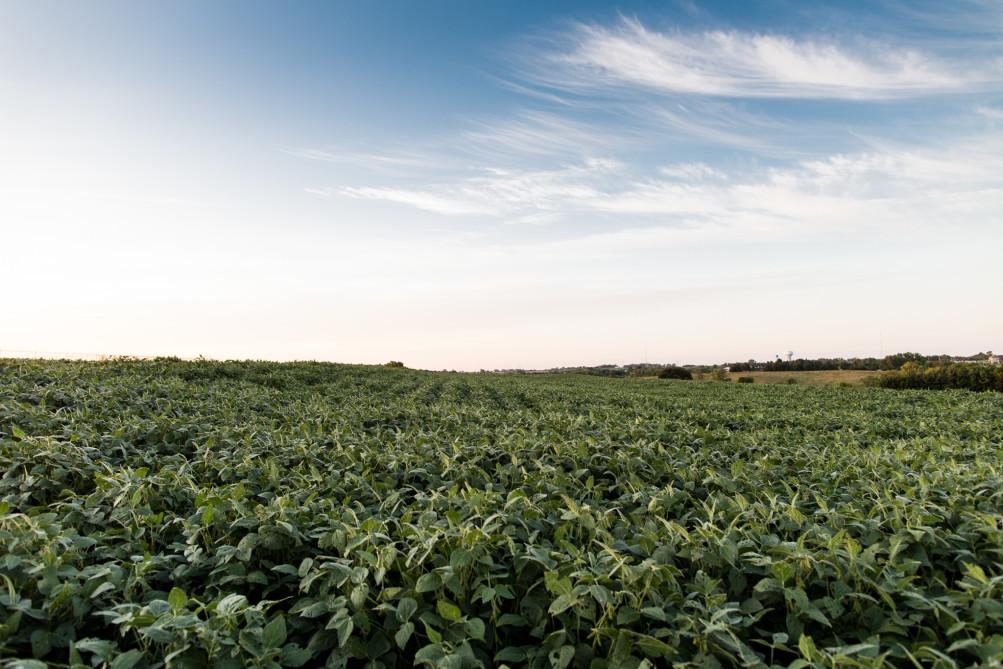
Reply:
x=501, y=184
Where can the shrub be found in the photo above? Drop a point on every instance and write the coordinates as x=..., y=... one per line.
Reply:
x=719, y=374
x=746, y=379
x=675, y=372
x=977, y=377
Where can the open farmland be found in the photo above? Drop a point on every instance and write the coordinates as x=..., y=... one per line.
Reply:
x=853, y=377
x=254, y=514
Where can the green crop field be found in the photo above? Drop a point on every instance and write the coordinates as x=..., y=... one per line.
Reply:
x=254, y=514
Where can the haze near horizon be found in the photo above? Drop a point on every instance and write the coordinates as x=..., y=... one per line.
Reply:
x=501, y=184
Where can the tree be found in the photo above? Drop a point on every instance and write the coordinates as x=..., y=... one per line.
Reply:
x=675, y=372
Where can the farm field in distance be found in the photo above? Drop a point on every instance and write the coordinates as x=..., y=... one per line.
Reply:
x=854, y=377
x=204, y=514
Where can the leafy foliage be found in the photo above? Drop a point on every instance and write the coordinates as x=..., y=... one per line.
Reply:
x=264, y=515
x=675, y=372
x=889, y=362
x=979, y=377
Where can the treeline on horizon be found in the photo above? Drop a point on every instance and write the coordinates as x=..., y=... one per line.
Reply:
x=887, y=363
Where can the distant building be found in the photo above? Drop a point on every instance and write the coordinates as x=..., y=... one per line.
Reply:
x=994, y=358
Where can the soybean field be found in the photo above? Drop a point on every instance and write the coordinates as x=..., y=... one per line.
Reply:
x=206, y=514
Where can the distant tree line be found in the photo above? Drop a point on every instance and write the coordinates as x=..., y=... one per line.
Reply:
x=941, y=377
x=889, y=362
x=618, y=371
x=598, y=370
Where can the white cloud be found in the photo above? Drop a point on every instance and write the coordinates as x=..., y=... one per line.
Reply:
x=691, y=172
x=990, y=113
x=890, y=188
x=450, y=203
x=739, y=64
x=534, y=133
x=403, y=159
x=501, y=193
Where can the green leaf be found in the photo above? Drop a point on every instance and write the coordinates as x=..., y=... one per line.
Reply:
x=41, y=643
x=601, y=595
x=127, y=660
x=294, y=656
x=404, y=634
x=560, y=659
x=562, y=604
x=359, y=595
x=103, y=588
x=510, y=654
x=406, y=608
x=344, y=627
x=655, y=613
x=460, y=558
x=433, y=634
x=177, y=599
x=447, y=610
x=231, y=604
x=556, y=584
x=428, y=582
x=807, y=647
x=313, y=610
x=475, y=628
x=101, y=648
x=512, y=620
x=75, y=657
x=651, y=646
x=274, y=634
x=25, y=664
x=430, y=654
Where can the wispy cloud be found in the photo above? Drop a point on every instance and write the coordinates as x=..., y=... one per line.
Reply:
x=692, y=172
x=536, y=133
x=719, y=123
x=893, y=187
x=741, y=64
x=401, y=160
x=656, y=106
x=515, y=195
x=991, y=113
x=447, y=202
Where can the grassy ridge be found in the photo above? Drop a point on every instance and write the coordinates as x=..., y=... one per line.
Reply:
x=254, y=514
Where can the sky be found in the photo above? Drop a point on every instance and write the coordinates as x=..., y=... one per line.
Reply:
x=501, y=184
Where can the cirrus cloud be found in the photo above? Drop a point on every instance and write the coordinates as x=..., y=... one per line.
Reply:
x=741, y=64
